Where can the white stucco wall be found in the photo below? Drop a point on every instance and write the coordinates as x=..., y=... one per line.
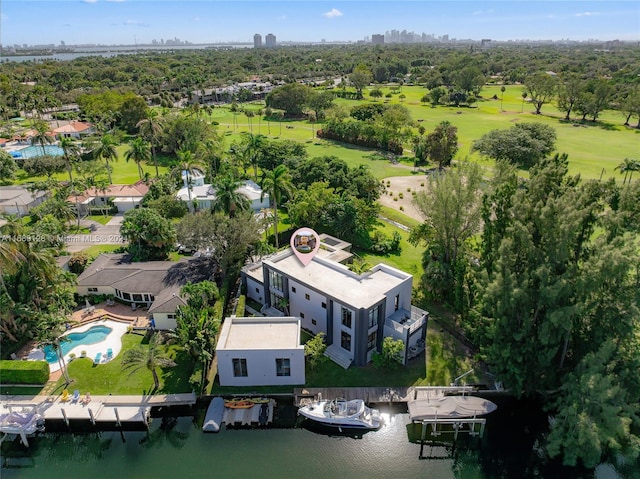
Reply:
x=83, y=290
x=311, y=308
x=404, y=290
x=261, y=367
x=163, y=321
x=255, y=290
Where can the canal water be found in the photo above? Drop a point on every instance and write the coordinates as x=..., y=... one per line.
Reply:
x=176, y=448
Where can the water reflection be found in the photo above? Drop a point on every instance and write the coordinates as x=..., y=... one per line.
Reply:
x=324, y=430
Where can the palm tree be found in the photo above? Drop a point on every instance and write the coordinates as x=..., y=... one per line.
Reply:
x=106, y=149
x=250, y=114
x=502, y=89
x=252, y=150
x=150, y=358
x=228, y=198
x=275, y=183
x=151, y=128
x=71, y=151
x=138, y=151
x=628, y=166
x=49, y=333
x=187, y=163
x=42, y=136
x=259, y=112
x=210, y=153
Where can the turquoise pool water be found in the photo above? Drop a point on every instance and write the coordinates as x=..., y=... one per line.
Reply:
x=93, y=335
x=35, y=151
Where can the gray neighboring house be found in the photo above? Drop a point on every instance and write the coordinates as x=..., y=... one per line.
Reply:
x=355, y=311
x=17, y=200
x=141, y=284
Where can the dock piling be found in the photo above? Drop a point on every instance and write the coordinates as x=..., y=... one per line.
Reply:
x=64, y=416
x=93, y=419
x=115, y=410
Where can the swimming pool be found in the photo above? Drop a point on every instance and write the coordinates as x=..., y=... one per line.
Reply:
x=34, y=151
x=93, y=335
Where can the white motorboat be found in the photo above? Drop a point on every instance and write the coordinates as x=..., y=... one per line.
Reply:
x=21, y=422
x=342, y=414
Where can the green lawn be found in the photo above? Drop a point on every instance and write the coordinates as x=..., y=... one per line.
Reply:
x=98, y=249
x=108, y=378
x=103, y=220
x=409, y=259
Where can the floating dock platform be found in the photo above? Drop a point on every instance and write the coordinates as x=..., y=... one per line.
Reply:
x=250, y=416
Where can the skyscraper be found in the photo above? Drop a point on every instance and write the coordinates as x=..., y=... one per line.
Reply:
x=377, y=39
x=270, y=40
x=257, y=41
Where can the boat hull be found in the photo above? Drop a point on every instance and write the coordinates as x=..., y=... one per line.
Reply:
x=341, y=414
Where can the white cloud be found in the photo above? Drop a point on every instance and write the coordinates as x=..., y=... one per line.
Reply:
x=587, y=14
x=90, y=1
x=333, y=13
x=282, y=18
x=135, y=23
x=483, y=12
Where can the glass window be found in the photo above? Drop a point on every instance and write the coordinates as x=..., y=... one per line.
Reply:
x=313, y=321
x=283, y=366
x=324, y=305
x=346, y=317
x=240, y=367
x=137, y=297
x=373, y=316
x=126, y=296
x=396, y=303
x=307, y=297
x=302, y=315
x=371, y=341
x=92, y=290
x=275, y=280
x=293, y=289
x=345, y=341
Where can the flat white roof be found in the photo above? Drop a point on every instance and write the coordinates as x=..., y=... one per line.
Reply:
x=336, y=280
x=260, y=333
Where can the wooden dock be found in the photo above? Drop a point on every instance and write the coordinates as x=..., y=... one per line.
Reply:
x=377, y=395
x=100, y=409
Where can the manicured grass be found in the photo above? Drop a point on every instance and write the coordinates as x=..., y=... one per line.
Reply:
x=409, y=259
x=97, y=250
x=330, y=374
x=20, y=391
x=398, y=217
x=103, y=220
x=109, y=378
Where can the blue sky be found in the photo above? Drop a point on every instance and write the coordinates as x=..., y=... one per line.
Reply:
x=212, y=21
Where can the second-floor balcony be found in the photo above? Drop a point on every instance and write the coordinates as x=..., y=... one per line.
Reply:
x=405, y=323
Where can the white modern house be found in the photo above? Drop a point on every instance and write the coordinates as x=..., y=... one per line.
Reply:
x=355, y=311
x=143, y=285
x=204, y=194
x=260, y=352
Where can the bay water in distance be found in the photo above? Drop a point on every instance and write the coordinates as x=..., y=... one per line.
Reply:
x=176, y=447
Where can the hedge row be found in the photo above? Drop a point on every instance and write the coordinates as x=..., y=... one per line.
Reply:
x=24, y=372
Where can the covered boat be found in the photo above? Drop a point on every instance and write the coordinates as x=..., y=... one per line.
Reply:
x=21, y=422
x=449, y=407
x=341, y=413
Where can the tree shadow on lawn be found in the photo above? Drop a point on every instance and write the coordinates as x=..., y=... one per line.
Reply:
x=176, y=379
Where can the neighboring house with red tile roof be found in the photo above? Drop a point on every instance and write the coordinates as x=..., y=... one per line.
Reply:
x=124, y=197
x=74, y=129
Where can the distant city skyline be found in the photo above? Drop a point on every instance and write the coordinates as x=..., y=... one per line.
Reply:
x=127, y=22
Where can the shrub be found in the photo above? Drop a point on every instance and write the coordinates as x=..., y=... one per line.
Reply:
x=78, y=262
x=24, y=372
x=391, y=355
x=401, y=208
x=240, y=307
